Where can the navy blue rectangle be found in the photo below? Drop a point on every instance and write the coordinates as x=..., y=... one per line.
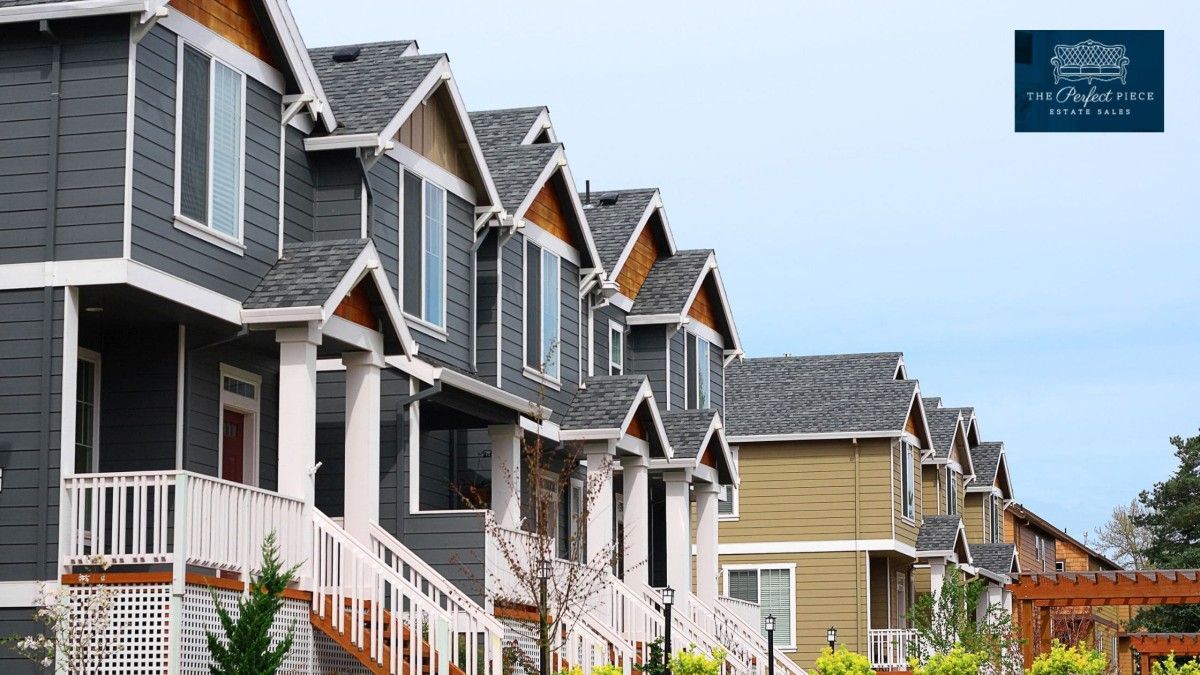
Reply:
x=1088, y=80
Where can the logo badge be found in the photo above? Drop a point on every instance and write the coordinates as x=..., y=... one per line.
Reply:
x=1089, y=80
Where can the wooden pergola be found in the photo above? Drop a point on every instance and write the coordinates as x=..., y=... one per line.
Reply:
x=1157, y=646
x=1036, y=594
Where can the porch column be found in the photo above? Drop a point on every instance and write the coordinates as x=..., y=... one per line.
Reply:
x=937, y=576
x=362, y=442
x=298, y=425
x=678, y=532
x=506, y=474
x=599, y=488
x=635, y=481
x=706, y=543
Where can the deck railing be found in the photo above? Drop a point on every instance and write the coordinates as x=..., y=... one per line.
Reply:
x=153, y=517
x=889, y=648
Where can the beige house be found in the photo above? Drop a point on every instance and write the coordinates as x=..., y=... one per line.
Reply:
x=825, y=528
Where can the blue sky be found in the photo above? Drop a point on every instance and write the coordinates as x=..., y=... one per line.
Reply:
x=855, y=167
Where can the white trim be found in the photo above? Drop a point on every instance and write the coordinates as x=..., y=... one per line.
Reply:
x=424, y=327
x=655, y=204
x=790, y=568
x=69, y=382
x=23, y=594
x=709, y=335
x=180, y=393
x=821, y=436
x=425, y=168
x=621, y=302
x=70, y=9
x=185, y=224
x=494, y=394
x=414, y=450
x=533, y=232
x=668, y=333
x=652, y=319
x=620, y=329
x=541, y=378
x=351, y=333
x=542, y=123
x=818, y=546
x=94, y=358
x=363, y=216
x=280, y=15
x=206, y=40
x=250, y=409
x=546, y=429
x=130, y=126
x=341, y=142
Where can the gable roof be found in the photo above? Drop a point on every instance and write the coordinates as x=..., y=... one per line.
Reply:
x=941, y=536
x=672, y=286
x=807, y=397
x=517, y=170
x=1023, y=512
x=310, y=279
x=945, y=426
x=999, y=558
x=366, y=93
x=605, y=406
x=986, y=458
x=616, y=218
x=692, y=433
x=970, y=422
x=506, y=127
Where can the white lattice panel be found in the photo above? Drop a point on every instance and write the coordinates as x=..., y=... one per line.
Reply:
x=331, y=659
x=524, y=633
x=135, y=641
x=200, y=616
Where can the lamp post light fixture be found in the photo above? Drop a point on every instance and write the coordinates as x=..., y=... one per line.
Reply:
x=668, y=600
x=544, y=570
x=831, y=635
x=770, y=644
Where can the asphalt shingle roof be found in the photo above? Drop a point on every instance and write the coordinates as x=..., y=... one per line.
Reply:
x=816, y=394
x=670, y=283
x=686, y=430
x=943, y=423
x=515, y=169
x=366, y=93
x=603, y=403
x=995, y=557
x=613, y=224
x=503, y=128
x=986, y=459
x=938, y=533
x=306, y=274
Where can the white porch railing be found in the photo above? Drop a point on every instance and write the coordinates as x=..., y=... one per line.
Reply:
x=888, y=648
x=730, y=625
x=383, y=614
x=153, y=517
x=686, y=632
x=637, y=621
x=747, y=612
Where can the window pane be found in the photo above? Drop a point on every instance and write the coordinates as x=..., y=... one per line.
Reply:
x=85, y=402
x=435, y=253
x=193, y=160
x=702, y=374
x=227, y=150
x=412, y=253
x=776, y=591
x=533, y=306
x=743, y=585
x=551, y=311
x=725, y=503
x=616, y=351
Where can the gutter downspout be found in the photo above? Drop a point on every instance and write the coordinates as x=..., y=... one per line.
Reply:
x=53, y=141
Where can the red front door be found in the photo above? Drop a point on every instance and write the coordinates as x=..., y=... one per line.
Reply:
x=233, y=446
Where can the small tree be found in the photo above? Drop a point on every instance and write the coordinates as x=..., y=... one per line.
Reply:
x=950, y=621
x=1124, y=538
x=76, y=619
x=246, y=648
x=1062, y=660
x=957, y=661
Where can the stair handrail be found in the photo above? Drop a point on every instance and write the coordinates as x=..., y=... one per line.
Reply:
x=693, y=633
x=438, y=585
x=737, y=623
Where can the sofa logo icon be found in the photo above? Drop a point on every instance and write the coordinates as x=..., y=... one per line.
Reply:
x=1089, y=61
x=1105, y=80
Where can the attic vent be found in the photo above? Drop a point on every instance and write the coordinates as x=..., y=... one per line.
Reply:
x=346, y=54
x=608, y=198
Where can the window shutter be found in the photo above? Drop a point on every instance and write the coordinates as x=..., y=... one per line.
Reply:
x=743, y=585
x=193, y=165
x=776, y=589
x=533, y=306
x=412, y=244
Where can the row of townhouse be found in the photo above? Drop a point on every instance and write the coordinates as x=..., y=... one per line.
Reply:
x=249, y=287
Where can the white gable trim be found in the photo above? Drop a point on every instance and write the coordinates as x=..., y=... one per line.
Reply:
x=542, y=123
x=655, y=204
x=67, y=10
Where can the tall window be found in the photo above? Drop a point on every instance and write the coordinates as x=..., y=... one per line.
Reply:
x=703, y=374
x=995, y=519
x=87, y=412
x=951, y=492
x=543, y=310
x=727, y=504
x=773, y=589
x=616, y=349
x=424, y=251
x=909, y=491
x=210, y=132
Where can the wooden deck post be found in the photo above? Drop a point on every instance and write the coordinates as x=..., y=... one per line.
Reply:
x=1043, y=630
x=1025, y=623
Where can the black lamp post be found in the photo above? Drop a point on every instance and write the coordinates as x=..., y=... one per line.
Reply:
x=770, y=644
x=668, y=599
x=545, y=569
x=831, y=635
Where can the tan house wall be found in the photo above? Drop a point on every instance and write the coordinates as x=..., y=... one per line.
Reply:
x=973, y=517
x=805, y=491
x=932, y=477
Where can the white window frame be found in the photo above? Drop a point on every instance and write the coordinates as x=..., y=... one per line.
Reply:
x=790, y=646
x=422, y=323
x=187, y=224
x=706, y=365
x=1039, y=548
x=93, y=358
x=614, y=327
x=908, y=484
x=252, y=409
x=952, y=481
x=731, y=493
x=537, y=373
x=995, y=527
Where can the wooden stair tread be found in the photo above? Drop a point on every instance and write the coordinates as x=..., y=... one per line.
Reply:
x=326, y=626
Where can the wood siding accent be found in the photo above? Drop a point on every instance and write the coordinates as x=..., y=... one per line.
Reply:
x=435, y=132
x=549, y=213
x=1025, y=538
x=706, y=307
x=356, y=307
x=233, y=20
x=636, y=428
x=805, y=491
x=646, y=250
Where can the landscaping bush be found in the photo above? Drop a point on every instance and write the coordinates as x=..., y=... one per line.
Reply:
x=1062, y=660
x=1169, y=667
x=843, y=662
x=607, y=669
x=957, y=661
x=696, y=662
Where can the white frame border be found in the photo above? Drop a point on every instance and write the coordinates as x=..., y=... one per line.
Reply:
x=791, y=570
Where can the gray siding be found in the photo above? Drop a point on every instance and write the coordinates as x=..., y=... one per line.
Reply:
x=487, y=315
x=385, y=216
x=62, y=161
x=514, y=379
x=298, y=185
x=31, y=323
x=600, y=320
x=337, y=195
x=679, y=366
x=718, y=378
x=156, y=240
x=455, y=349
x=647, y=352
x=18, y=621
